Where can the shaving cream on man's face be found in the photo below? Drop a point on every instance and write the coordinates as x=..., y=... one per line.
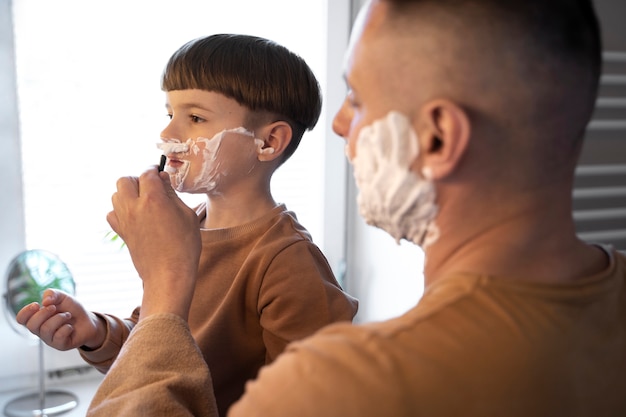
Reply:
x=391, y=196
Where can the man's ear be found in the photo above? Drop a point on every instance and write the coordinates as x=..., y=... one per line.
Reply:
x=444, y=132
x=276, y=137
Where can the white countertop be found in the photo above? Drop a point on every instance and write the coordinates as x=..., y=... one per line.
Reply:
x=83, y=385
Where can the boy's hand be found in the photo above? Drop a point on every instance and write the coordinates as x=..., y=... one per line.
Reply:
x=62, y=322
x=163, y=237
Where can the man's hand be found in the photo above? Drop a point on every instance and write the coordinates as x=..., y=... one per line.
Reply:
x=163, y=237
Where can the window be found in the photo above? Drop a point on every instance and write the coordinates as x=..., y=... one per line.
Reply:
x=91, y=110
x=600, y=186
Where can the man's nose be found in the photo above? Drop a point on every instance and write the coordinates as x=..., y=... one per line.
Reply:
x=341, y=122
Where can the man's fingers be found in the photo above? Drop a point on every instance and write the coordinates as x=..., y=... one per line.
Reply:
x=152, y=182
x=113, y=222
x=127, y=191
x=128, y=187
x=167, y=183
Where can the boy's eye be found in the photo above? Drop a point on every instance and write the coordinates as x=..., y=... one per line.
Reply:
x=169, y=116
x=196, y=119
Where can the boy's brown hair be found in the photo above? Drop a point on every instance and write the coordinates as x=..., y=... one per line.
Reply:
x=258, y=73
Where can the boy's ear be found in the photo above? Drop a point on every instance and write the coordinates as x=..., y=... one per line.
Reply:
x=276, y=137
x=443, y=130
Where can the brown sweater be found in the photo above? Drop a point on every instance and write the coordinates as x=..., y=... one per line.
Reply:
x=475, y=345
x=260, y=286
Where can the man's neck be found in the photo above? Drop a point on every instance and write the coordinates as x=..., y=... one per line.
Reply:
x=520, y=239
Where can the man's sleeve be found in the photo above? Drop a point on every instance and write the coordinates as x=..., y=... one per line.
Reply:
x=159, y=372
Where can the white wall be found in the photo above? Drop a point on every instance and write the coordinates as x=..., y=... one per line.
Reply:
x=15, y=350
x=11, y=220
x=385, y=276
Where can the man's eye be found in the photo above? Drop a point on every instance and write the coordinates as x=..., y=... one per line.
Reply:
x=352, y=101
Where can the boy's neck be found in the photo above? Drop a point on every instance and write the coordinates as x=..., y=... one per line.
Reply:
x=236, y=209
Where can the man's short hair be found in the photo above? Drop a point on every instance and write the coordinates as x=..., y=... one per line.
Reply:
x=558, y=41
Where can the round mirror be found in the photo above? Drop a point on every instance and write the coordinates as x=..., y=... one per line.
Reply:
x=29, y=274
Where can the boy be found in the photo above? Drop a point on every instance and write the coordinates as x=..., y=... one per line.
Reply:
x=238, y=107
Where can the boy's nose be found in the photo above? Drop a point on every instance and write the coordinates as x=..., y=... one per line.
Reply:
x=169, y=132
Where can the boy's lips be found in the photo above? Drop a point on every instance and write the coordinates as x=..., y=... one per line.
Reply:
x=175, y=163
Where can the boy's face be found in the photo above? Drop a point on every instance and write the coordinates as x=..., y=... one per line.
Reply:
x=207, y=148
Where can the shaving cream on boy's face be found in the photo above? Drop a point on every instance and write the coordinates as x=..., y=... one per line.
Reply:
x=391, y=196
x=205, y=160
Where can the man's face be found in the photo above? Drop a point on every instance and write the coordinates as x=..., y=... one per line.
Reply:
x=382, y=145
x=373, y=73
x=363, y=81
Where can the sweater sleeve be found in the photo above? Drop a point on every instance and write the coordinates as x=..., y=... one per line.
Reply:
x=159, y=372
x=117, y=331
x=299, y=296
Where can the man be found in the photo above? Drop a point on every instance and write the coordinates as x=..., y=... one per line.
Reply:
x=464, y=122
